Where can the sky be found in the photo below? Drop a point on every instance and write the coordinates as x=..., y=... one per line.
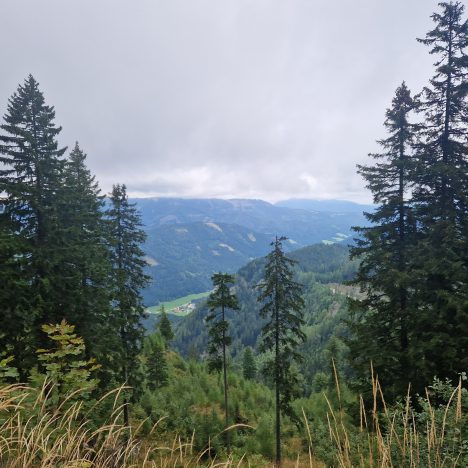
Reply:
x=267, y=99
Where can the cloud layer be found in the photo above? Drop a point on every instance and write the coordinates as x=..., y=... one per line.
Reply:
x=267, y=98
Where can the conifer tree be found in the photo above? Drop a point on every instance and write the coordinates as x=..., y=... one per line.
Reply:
x=85, y=274
x=383, y=319
x=219, y=301
x=156, y=363
x=249, y=368
x=282, y=306
x=128, y=279
x=441, y=202
x=165, y=327
x=30, y=179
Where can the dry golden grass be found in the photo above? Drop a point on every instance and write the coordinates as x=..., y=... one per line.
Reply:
x=36, y=434
x=32, y=435
x=394, y=439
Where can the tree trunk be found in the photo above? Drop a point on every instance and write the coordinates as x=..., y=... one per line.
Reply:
x=226, y=409
x=277, y=379
x=126, y=418
x=401, y=258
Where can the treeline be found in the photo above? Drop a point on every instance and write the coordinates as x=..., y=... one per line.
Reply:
x=65, y=251
x=413, y=322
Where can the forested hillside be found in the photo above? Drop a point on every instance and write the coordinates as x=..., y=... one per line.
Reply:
x=300, y=225
x=182, y=257
x=320, y=268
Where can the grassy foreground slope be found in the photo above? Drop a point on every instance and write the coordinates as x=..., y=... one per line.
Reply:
x=180, y=426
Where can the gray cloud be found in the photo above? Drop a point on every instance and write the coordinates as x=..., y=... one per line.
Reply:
x=264, y=98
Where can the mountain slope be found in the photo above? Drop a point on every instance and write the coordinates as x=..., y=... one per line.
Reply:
x=335, y=206
x=302, y=226
x=320, y=268
x=182, y=257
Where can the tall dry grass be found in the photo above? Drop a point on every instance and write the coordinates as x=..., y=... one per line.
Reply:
x=32, y=435
x=37, y=434
x=400, y=436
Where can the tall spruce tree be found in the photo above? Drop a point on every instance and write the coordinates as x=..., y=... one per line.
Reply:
x=282, y=306
x=219, y=301
x=441, y=201
x=128, y=279
x=30, y=179
x=383, y=320
x=86, y=272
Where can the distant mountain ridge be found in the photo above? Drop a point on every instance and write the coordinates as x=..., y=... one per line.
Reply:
x=337, y=206
x=301, y=225
x=184, y=247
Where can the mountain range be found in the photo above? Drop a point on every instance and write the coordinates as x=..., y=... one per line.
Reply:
x=190, y=239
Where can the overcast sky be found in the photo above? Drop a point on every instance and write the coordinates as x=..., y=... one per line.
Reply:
x=267, y=99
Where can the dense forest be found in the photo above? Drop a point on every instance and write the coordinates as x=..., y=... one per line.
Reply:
x=328, y=355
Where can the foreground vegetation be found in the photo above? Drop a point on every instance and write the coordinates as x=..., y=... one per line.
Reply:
x=37, y=430
x=59, y=419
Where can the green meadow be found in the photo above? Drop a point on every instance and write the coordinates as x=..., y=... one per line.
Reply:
x=170, y=306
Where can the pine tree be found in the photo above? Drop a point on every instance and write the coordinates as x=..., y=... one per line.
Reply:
x=282, y=306
x=85, y=274
x=128, y=279
x=441, y=202
x=165, y=327
x=249, y=368
x=382, y=320
x=219, y=301
x=30, y=180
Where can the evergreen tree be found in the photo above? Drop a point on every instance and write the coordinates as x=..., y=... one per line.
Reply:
x=441, y=202
x=282, y=306
x=128, y=279
x=249, y=368
x=218, y=302
x=156, y=364
x=165, y=327
x=383, y=318
x=30, y=179
x=85, y=274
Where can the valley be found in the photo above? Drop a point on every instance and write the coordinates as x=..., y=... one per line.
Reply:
x=181, y=306
x=322, y=270
x=188, y=239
